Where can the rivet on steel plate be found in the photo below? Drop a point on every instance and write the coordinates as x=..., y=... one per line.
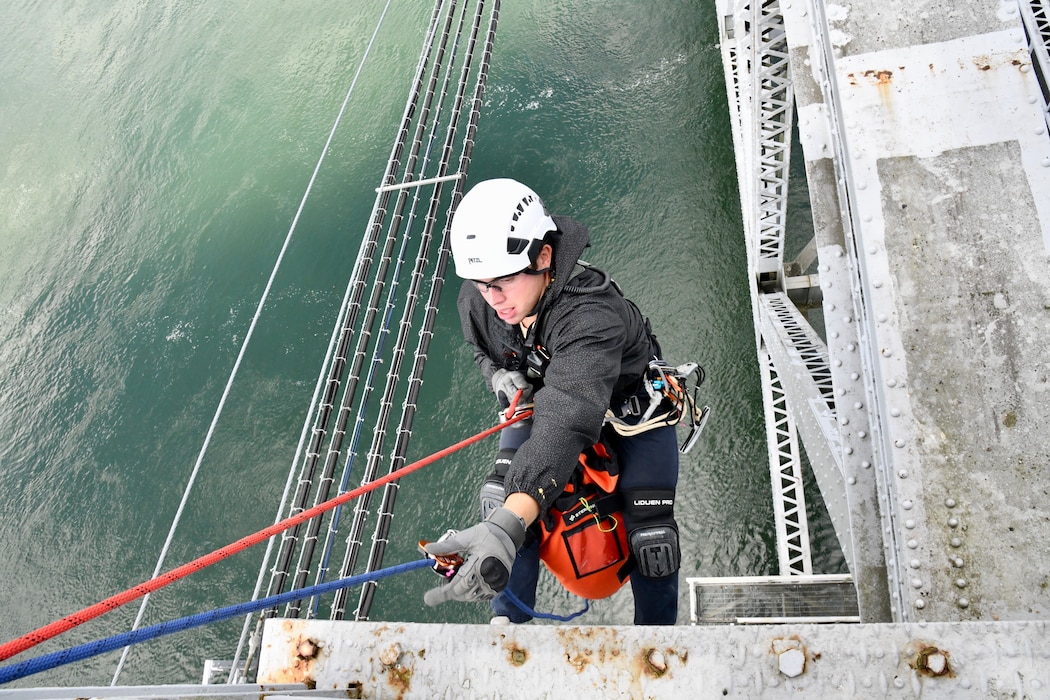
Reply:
x=792, y=662
x=307, y=649
x=932, y=661
x=656, y=662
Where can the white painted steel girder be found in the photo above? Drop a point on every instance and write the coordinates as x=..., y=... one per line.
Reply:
x=929, y=165
x=877, y=573
x=390, y=660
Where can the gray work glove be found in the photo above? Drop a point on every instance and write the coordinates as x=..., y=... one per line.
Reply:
x=506, y=383
x=488, y=551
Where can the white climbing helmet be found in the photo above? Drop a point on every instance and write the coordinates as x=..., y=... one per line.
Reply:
x=498, y=229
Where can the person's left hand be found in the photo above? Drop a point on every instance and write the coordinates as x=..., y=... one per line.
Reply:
x=506, y=384
x=488, y=551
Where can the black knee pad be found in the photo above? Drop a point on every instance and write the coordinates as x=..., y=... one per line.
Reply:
x=655, y=549
x=653, y=534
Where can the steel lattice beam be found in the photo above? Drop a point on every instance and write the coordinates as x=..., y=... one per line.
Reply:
x=789, y=500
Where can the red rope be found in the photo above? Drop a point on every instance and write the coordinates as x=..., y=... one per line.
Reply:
x=17, y=646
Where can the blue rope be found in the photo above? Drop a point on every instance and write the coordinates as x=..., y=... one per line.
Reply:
x=545, y=616
x=101, y=646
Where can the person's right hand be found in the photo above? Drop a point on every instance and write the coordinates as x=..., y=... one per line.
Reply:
x=488, y=550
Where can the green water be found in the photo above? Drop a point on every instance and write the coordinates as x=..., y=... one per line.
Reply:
x=153, y=157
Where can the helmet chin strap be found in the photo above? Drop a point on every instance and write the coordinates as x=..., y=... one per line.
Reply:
x=539, y=302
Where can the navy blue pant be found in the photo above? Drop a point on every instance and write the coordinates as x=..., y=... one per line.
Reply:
x=647, y=461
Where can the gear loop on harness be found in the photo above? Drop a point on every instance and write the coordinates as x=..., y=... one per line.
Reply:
x=672, y=394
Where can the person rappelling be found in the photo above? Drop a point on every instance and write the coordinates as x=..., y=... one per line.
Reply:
x=587, y=482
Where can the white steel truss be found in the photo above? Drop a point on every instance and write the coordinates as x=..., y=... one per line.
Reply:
x=798, y=377
x=762, y=108
x=771, y=87
x=1036, y=17
x=789, y=499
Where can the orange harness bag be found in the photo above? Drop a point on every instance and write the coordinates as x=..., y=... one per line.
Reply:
x=584, y=542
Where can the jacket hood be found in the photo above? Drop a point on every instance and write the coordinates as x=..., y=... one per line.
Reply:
x=573, y=239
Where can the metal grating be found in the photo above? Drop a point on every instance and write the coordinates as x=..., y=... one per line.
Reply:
x=773, y=600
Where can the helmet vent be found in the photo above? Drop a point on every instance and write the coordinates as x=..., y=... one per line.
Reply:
x=516, y=245
x=520, y=209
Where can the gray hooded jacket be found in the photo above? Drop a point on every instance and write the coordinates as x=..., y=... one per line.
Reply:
x=599, y=346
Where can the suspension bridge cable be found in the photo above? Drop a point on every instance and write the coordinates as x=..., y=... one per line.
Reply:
x=422, y=257
x=236, y=366
x=386, y=511
x=125, y=639
x=379, y=434
x=332, y=344
x=345, y=330
x=42, y=634
x=362, y=268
